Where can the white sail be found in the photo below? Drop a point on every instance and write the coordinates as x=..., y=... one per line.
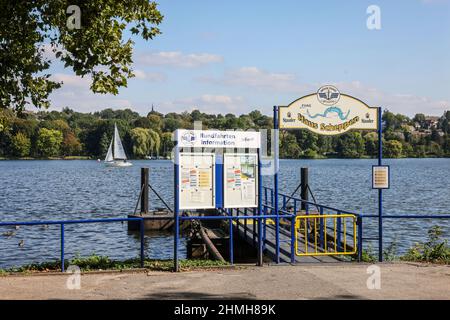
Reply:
x=119, y=153
x=109, y=155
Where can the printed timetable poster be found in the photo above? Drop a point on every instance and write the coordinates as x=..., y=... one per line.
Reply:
x=196, y=181
x=240, y=180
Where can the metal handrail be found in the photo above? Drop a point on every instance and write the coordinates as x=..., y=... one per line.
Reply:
x=312, y=203
x=62, y=223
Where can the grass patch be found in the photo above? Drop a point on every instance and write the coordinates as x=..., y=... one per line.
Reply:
x=435, y=250
x=76, y=158
x=96, y=262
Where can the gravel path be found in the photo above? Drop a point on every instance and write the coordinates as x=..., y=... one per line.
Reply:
x=330, y=281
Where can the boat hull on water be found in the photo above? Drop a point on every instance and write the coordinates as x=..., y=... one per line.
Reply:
x=118, y=163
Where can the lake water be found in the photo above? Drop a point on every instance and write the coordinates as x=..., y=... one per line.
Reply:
x=62, y=190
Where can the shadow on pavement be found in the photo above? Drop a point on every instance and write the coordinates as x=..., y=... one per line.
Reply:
x=197, y=295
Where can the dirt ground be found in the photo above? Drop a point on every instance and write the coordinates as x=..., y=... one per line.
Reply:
x=330, y=281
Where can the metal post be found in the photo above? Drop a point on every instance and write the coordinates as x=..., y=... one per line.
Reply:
x=230, y=213
x=304, y=186
x=264, y=229
x=260, y=244
x=293, y=239
x=144, y=187
x=339, y=230
x=62, y=247
x=176, y=218
x=380, y=191
x=142, y=242
x=275, y=189
x=321, y=231
x=360, y=235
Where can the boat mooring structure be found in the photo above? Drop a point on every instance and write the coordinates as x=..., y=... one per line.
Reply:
x=218, y=177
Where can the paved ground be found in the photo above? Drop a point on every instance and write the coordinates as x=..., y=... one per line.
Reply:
x=330, y=281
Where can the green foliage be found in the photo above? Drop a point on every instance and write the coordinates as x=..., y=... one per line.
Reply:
x=140, y=138
x=351, y=145
x=89, y=134
x=20, y=145
x=435, y=250
x=99, y=49
x=71, y=145
x=96, y=262
x=368, y=255
x=390, y=252
x=310, y=154
x=289, y=146
x=49, y=142
x=392, y=149
x=145, y=142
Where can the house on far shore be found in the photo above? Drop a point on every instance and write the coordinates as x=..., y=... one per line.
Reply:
x=431, y=122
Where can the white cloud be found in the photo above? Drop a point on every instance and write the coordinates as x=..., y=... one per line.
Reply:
x=208, y=103
x=150, y=76
x=286, y=83
x=259, y=79
x=75, y=93
x=434, y=1
x=178, y=59
x=404, y=103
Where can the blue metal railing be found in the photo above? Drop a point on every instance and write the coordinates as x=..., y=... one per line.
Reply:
x=62, y=223
x=268, y=212
x=321, y=209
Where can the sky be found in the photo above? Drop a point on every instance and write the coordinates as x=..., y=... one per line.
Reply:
x=238, y=56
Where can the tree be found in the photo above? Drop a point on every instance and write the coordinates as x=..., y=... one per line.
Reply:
x=392, y=149
x=49, y=142
x=140, y=140
x=155, y=122
x=371, y=144
x=420, y=119
x=104, y=143
x=20, y=145
x=71, y=146
x=350, y=145
x=289, y=147
x=154, y=142
x=167, y=143
x=29, y=28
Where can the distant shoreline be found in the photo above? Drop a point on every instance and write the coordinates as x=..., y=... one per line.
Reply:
x=321, y=158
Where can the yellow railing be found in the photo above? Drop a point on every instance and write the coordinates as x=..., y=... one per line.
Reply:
x=309, y=229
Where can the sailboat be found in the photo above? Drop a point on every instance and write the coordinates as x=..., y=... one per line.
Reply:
x=116, y=156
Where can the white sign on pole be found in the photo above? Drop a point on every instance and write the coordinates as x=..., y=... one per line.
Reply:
x=328, y=112
x=217, y=139
x=380, y=177
x=196, y=178
x=240, y=180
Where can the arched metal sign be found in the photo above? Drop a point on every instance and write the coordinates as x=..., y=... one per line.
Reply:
x=328, y=112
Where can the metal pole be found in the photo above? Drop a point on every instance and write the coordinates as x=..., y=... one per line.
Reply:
x=360, y=235
x=62, y=247
x=144, y=188
x=176, y=216
x=293, y=238
x=230, y=213
x=304, y=181
x=142, y=242
x=275, y=181
x=260, y=242
x=380, y=191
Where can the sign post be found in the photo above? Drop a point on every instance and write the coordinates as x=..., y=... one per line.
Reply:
x=204, y=181
x=275, y=181
x=380, y=191
x=329, y=112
